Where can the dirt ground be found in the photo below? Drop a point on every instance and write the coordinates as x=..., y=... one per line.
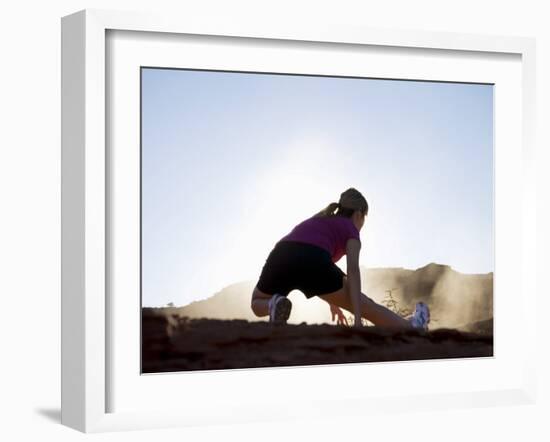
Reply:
x=172, y=343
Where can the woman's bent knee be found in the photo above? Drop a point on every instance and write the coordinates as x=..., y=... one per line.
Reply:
x=258, y=302
x=256, y=309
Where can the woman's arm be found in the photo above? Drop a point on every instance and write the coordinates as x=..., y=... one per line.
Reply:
x=353, y=246
x=336, y=313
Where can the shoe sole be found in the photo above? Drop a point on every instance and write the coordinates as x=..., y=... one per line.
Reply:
x=282, y=311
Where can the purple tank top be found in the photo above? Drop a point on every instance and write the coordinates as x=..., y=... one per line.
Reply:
x=329, y=232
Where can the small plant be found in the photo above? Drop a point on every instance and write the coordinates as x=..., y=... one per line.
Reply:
x=391, y=303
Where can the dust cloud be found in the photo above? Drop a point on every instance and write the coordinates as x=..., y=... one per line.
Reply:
x=456, y=300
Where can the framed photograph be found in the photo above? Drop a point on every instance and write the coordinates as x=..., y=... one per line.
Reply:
x=251, y=211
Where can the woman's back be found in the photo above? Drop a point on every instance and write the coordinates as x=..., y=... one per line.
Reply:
x=328, y=232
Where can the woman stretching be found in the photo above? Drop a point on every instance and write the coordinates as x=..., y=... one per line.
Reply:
x=305, y=260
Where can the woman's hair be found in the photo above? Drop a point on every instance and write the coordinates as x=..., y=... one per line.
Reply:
x=350, y=201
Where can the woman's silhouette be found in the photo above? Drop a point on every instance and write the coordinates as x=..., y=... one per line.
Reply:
x=305, y=260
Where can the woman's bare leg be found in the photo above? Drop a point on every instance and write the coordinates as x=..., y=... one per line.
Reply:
x=370, y=310
x=260, y=302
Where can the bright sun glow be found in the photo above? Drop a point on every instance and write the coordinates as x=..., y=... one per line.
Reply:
x=295, y=188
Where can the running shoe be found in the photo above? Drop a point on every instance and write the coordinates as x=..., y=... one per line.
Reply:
x=421, y=316
x=279, y=309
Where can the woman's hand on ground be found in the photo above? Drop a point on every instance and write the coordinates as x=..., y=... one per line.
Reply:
x=338, y=314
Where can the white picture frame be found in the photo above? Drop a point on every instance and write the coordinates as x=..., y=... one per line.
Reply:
x=86, y=203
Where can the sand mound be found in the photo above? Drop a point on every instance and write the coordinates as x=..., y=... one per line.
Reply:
x=454, y=298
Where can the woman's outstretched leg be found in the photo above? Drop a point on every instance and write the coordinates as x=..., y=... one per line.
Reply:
x=370, y=310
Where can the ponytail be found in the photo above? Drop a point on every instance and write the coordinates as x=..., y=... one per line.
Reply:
x=350, y=201
x=330, y=210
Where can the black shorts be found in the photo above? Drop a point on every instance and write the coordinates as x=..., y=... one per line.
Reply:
x=299, y=266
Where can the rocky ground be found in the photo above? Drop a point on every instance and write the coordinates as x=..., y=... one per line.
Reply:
x=174, y=343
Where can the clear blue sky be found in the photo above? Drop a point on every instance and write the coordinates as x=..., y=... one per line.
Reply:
x=232, y=161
